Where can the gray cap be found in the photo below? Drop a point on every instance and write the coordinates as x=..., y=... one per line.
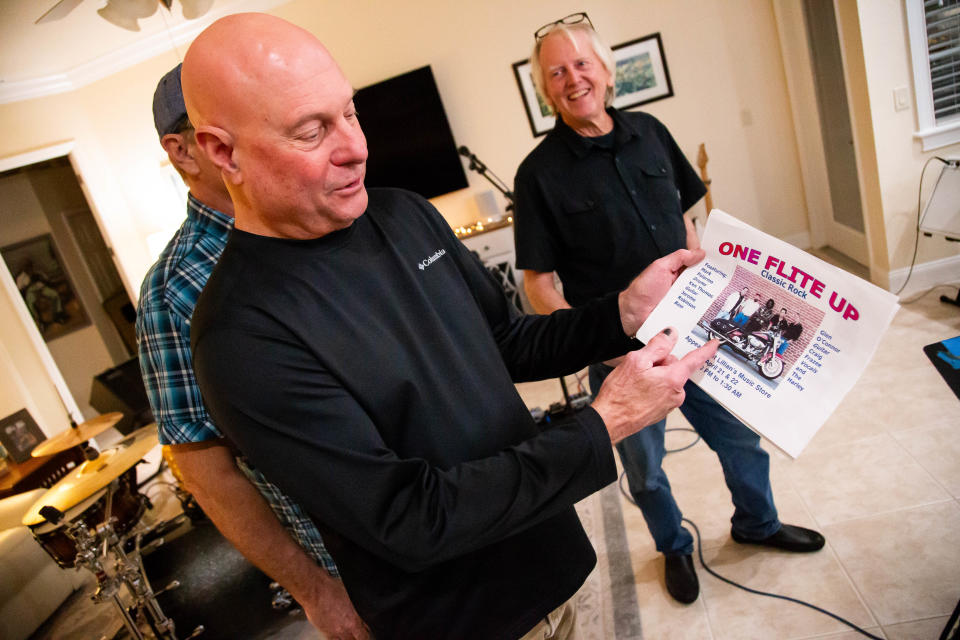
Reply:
x=168, y=106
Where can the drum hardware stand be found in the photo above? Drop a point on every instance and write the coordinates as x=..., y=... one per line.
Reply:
x=281, y=598
x=128, y=571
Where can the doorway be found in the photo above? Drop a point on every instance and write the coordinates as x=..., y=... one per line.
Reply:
x=843, y=225
x=78, y=310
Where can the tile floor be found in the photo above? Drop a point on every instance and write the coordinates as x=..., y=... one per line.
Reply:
x=881, y=480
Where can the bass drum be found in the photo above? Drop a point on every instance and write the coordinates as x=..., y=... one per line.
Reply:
x=126, y=506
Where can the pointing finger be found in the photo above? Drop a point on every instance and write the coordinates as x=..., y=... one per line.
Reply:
x=695, y=359
x=658, y=348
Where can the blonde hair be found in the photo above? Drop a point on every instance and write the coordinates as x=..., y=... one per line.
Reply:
x=600, y=48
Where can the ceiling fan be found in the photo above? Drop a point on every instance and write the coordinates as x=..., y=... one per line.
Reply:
x=125, y=13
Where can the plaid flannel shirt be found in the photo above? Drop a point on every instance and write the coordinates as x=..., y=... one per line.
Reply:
x=167, y=298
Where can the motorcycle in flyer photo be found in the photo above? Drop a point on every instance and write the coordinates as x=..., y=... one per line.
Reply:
x=759, y=348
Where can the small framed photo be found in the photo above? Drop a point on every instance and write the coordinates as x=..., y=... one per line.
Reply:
x=50, y=297
x=19, y=434
x=642, y=77
x=539, y=115
x=642, y=74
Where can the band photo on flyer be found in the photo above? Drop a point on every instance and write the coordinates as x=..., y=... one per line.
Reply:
x=755, y=321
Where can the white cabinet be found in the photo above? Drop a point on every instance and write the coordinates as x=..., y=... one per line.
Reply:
x=495, y=249
x=492, y=245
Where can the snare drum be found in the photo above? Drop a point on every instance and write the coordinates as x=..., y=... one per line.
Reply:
x=127, y=507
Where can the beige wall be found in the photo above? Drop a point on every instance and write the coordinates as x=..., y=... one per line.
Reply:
x=861, y=108
x=82, y=353
x=26, y=384
x=723, y=58
x=730, y=94
x=899, y=157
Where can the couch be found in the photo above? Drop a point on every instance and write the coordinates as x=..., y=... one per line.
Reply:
x=32, y=585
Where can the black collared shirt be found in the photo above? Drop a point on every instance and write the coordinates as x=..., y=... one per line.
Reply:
x=599, y=215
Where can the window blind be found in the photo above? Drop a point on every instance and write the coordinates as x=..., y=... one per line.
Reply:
x=943, y=51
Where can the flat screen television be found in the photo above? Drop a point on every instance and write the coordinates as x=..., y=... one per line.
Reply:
x=408, y=137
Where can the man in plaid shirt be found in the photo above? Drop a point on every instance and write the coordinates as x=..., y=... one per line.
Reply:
x=272, y=531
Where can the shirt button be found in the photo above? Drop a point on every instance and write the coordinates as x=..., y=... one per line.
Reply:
x=633, y=191
x=663, y=169
x=653, y=227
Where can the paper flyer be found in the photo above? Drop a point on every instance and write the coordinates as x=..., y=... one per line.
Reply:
x=796, y=333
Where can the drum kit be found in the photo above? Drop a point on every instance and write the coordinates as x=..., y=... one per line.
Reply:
x=91, y=519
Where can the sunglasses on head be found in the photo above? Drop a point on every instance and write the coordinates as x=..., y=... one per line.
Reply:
x=573, y=18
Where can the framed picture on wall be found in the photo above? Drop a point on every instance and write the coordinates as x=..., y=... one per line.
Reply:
x=19, y=434
x=539, y=115
x=47, y=291
x=642, y=77
x=642, y=74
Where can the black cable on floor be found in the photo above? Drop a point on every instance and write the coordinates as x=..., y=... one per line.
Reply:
x=772, y=595
x=689, y=445
x=629, y=497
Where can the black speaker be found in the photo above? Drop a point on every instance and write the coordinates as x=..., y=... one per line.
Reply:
x=121, y=389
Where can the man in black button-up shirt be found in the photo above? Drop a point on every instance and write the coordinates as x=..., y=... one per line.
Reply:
x=598, y=200
x=623, y=210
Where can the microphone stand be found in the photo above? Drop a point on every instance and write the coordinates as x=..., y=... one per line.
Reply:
x=479, y=167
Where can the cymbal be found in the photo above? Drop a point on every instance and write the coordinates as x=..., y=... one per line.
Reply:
x=91, y=476
x=74, y=436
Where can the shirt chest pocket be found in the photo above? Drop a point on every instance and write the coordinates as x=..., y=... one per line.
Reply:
x=587, y=229
x=657, y=182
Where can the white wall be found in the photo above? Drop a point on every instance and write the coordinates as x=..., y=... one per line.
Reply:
x=899, y=157
x=25, y=380
x=82, y=353
x=730, y=94
x=723, y=57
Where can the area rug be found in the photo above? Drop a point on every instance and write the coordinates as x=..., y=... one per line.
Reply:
x=607, y=606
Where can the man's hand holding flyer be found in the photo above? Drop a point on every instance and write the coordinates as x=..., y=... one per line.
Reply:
x=795, y=332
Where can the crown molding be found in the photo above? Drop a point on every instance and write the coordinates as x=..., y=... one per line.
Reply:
x=124, y=57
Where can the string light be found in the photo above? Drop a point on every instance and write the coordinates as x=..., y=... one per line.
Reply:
x=481, y=226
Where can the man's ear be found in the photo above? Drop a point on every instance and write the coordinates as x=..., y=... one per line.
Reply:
x=217, y=144
x=175, y=144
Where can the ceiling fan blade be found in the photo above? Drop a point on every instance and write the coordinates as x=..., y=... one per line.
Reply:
x=195, y=8
x=118, y=18
x=59, y=10
x=136, y=8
